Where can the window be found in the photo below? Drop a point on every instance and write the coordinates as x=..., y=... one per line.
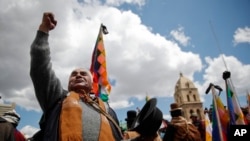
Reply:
x=194, y=97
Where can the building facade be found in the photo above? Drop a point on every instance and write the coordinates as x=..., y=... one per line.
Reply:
x=187, y=96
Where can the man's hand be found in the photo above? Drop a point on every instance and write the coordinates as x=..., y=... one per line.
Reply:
x=48, y=22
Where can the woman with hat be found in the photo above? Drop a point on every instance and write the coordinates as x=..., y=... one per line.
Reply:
x=147, y=123
x=179, y=128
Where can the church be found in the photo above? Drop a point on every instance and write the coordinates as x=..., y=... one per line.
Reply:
x=186, y=95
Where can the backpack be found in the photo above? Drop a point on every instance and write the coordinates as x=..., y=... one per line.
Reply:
x=186, y=132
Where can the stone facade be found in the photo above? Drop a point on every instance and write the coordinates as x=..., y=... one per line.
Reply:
x=187, y=96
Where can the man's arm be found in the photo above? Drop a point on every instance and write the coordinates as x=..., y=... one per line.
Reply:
x=47, y=86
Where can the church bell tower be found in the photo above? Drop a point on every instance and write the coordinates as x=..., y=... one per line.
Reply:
x=187, y=96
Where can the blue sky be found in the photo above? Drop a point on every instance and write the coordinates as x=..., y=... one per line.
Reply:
x=149, y=43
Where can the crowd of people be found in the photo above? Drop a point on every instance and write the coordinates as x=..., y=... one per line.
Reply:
x=76, y=115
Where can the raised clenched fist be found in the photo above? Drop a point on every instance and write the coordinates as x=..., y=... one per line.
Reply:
x=48, y=22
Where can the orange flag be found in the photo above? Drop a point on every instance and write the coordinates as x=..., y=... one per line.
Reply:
x=101, y=85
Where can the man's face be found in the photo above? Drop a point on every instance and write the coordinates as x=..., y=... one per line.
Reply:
x=79, y=80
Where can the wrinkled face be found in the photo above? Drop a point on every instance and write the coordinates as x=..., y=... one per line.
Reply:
x=80, y=80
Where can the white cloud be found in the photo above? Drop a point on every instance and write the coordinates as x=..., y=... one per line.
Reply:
x=121, y=104
x=167, y=117
x=28, y=131
x=239, y=73
x=120, y=2
x=180, y=36
x=242, y=35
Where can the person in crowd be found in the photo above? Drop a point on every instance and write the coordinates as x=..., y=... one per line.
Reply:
x=146, y=124
x=8, y=127
x=209, y=112
x=131, y=115
x=163, y=127
x=246, y=114
x=72, y=114
x=177, y=128
x=199, y=124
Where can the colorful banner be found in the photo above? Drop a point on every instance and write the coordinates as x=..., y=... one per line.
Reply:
x=101, y=85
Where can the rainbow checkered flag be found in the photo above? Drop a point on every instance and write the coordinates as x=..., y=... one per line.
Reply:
x=101, y=85
x=220, y=118
x=235, y=112
x=208, y=126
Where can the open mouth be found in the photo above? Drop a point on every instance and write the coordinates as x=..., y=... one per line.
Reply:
x=79, y=80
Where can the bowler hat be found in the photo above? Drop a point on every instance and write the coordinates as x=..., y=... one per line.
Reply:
x=174, y=107
x=131, y=115
x=149, y=119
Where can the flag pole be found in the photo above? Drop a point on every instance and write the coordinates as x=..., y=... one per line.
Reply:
x=225, y=76
x=218, y=45
x=215, y=97
x=217, y=114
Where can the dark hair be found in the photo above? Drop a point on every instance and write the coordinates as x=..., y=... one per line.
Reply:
x=176, y=113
